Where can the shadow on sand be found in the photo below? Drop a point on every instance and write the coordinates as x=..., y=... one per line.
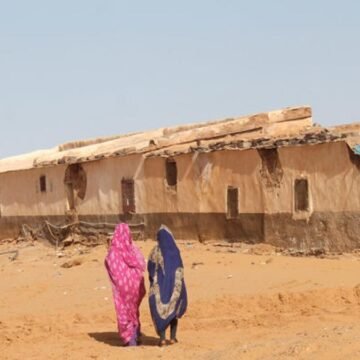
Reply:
x=112, y=338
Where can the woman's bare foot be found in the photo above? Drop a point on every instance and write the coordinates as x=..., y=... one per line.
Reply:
x=173, y=341
x=162, y=343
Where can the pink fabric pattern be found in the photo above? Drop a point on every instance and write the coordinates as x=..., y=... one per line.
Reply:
x=126, y=265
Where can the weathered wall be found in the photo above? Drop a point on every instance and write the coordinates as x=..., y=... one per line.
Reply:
x=21, y=200
x=334, y=188
x=20, y=193
x=103, y=193
x=197, y=206
x=266, y=196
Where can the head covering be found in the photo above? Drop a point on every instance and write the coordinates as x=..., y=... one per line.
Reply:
x=167, y=295
x=126, y=265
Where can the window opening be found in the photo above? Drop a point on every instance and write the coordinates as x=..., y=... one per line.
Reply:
x=128, y=195
x=301, y=195
x=171, y=172
x=43, y=183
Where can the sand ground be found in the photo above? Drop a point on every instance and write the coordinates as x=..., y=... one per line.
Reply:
x=241, y=306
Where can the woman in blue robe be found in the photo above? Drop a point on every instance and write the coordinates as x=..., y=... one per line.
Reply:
x=167, y=294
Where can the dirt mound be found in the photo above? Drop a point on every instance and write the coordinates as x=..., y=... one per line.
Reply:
x=268, y=310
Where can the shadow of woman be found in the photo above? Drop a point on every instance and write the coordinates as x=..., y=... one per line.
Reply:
x=112, y=338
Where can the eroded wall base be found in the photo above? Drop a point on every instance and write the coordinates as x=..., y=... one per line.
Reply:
x=10, y=226
x=329, y=231
x=326, y=230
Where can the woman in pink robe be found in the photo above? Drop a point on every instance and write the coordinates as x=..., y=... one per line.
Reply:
x=126, y=265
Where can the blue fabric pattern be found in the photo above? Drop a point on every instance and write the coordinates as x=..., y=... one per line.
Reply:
x=167, y=295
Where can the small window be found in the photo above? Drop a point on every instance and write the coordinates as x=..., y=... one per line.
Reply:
x=171, y=172
x=232, y=202
x=43, y=183
x=301, y=195
x=128, y=195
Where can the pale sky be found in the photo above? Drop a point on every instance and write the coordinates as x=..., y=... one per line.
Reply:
x=86, y=68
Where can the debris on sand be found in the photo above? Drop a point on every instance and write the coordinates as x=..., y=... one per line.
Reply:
x=194, y=265
x=13, y=254
x=232, y=251
x=228, y=244
x=71, y=263
x=317, y=252
x=62, y=236
x=261, y=249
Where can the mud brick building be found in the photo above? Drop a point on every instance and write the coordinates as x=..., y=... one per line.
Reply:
x=271, y=177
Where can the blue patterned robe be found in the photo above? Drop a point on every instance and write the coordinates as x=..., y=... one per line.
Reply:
x=167, y=295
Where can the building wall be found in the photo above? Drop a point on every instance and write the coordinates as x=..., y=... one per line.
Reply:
x=333, y=220
x=266, y=197
x=21, y=200
x=103, y=193
x=197, y=206
x=20, y=193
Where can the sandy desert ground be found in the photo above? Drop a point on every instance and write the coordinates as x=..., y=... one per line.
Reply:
x=244, y=303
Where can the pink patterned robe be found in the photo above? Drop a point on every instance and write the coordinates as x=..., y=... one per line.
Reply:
x=126, y=265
